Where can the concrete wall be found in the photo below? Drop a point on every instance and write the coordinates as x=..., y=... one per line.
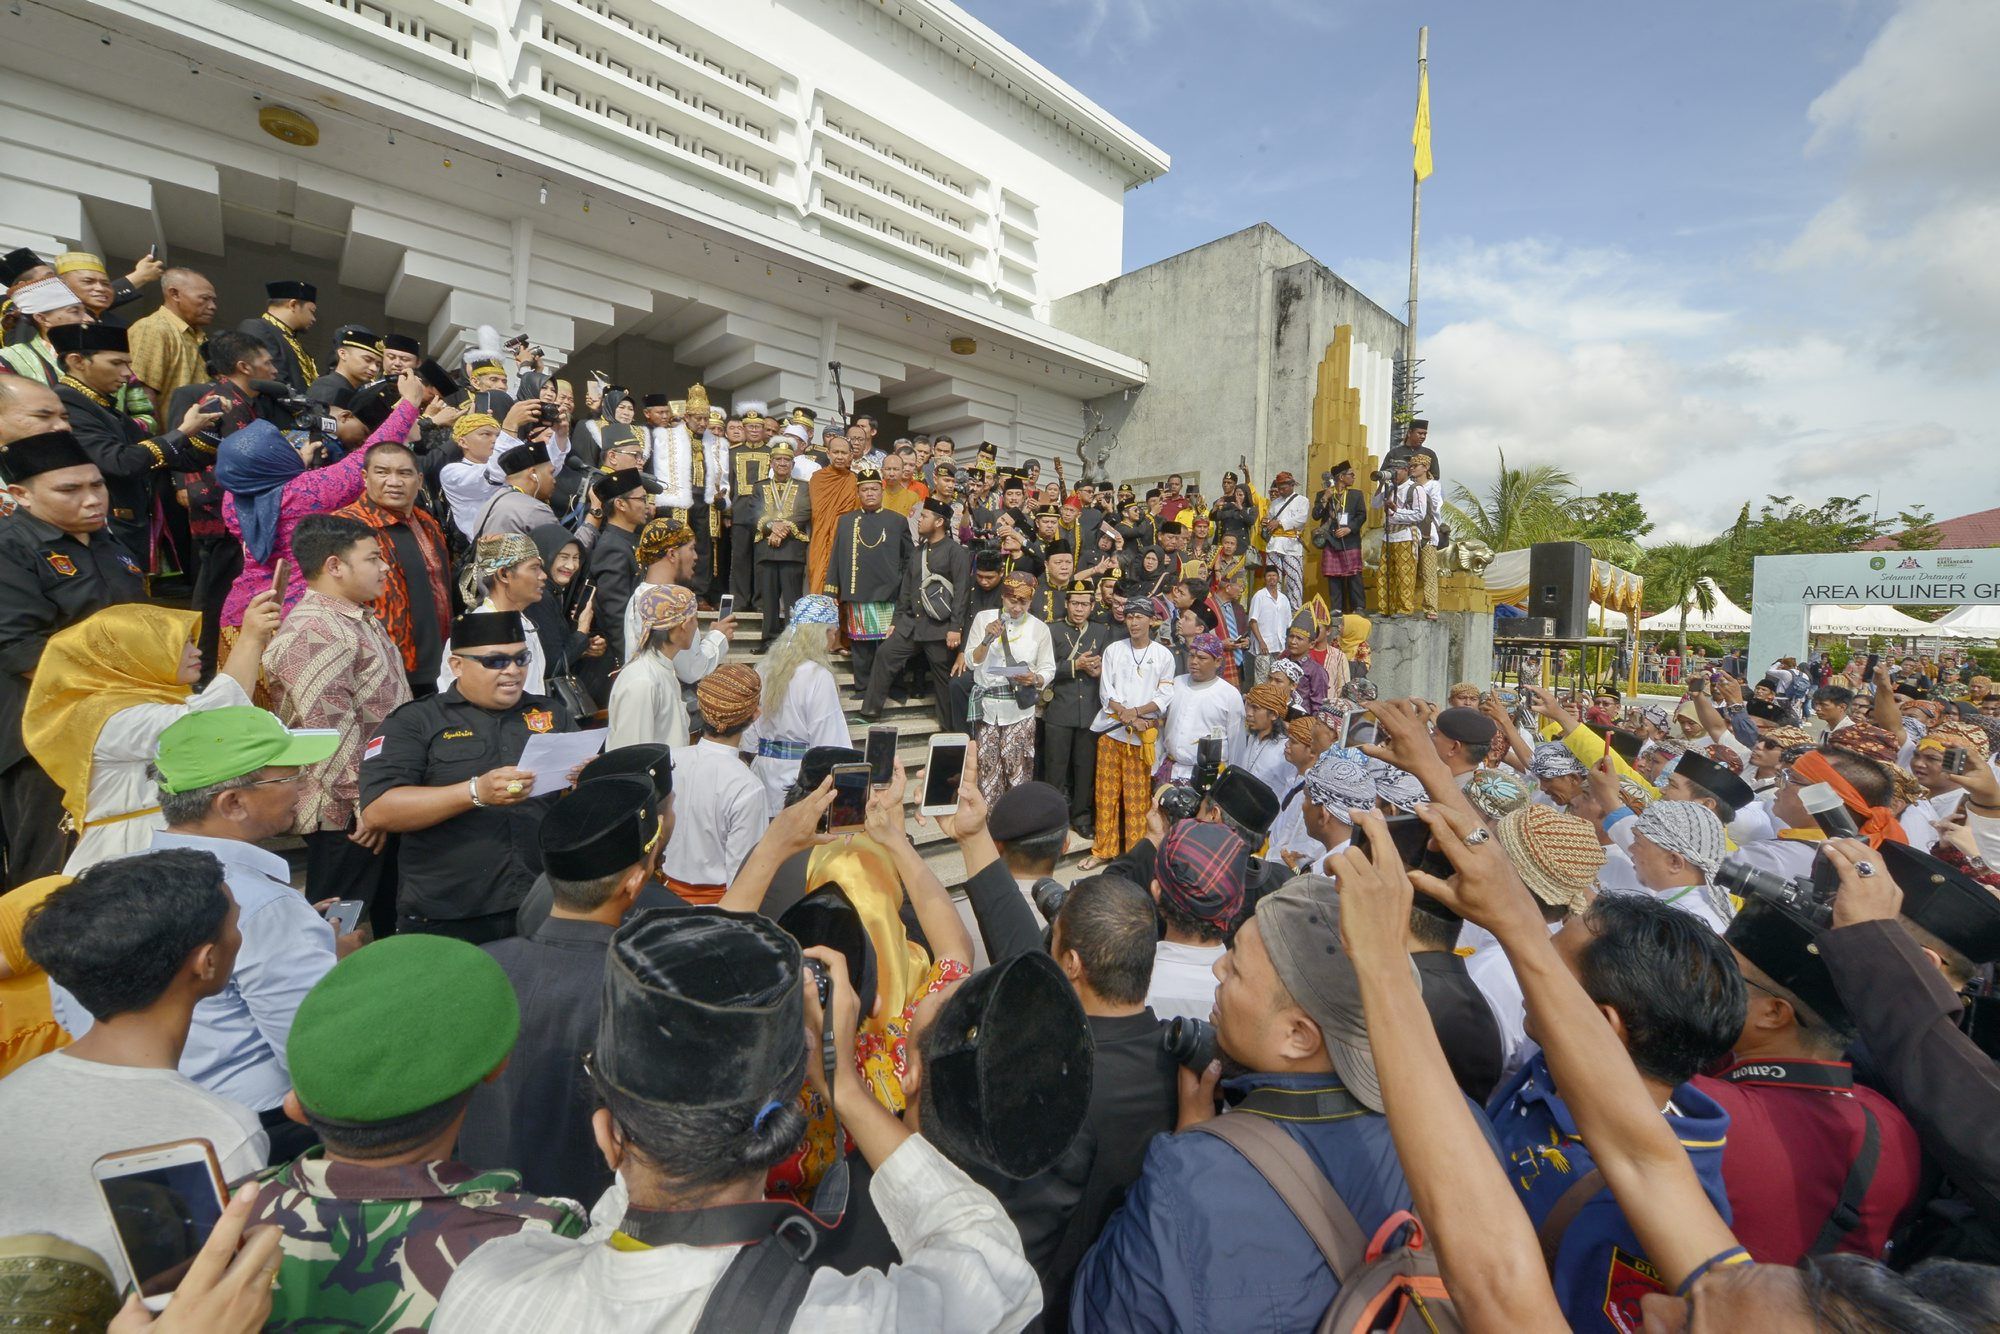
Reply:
x=1232, y=333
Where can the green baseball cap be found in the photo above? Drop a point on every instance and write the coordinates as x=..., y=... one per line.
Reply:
x=215, y=745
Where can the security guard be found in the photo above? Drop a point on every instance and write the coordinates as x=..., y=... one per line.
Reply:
x=57, y=566
x=749, y=465
x=1069, y=747
x=445, y=773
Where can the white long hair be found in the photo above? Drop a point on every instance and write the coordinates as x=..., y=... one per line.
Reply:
x=798, y=644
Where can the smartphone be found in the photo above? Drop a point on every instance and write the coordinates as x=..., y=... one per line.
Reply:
x=725, y=606
x=1868, y=668
x=849, y=812
x=1208, y=757
x=881, y=755
x=344, y=916
x=1408, y=833
x=944, y=765
x=164, y=1200
x=278, y=577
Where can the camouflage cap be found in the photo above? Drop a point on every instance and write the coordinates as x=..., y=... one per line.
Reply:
x=398, y=1026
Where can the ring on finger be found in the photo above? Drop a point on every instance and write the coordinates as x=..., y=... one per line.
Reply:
x=1477, y=836
x=1864, y=868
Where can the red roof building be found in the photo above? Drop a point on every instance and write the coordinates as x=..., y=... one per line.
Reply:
x=1966, y=532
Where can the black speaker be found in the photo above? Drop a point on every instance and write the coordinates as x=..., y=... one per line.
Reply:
x=1559, y=586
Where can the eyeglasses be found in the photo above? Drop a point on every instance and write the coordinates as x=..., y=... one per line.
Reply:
x=497, y=662
x=296, y=777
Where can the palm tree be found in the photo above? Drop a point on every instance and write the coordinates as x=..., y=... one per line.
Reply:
x=1685, y=573
x=1522, y=507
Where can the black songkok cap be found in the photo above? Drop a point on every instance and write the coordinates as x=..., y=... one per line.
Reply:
x=356, y=336
x=1781, y=942
x=611, y=486
x=600, y=829
x=33, y=455
x=291, y=291
x=1706, y=773
x=827, y=917
x=523, y=457
x=644, y=759
x=656, y=401
x=1946, y=902
x=17, y=262
x=402, y=343
x=1246, y=799
x=1170, y=526
x=1007, y=1069
x=939, y=508
x=702, y=1008
x=334, y=391
x=478, y=629
x=1767, y=710
x=88, y=339
x=374, y=401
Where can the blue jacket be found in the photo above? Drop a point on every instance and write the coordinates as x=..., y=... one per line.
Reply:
x=1600, y=1273
x=1203, y=1243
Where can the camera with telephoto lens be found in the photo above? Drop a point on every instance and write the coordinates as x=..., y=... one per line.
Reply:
x=1383, y=475
x=1802, y=895
x=1048, y=896
x=1190, y=1042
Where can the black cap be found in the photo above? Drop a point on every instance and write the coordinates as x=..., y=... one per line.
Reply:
x=702, y=1008
x=88, y=339
x=402, y=343
x=1946, y=902
x=1706, y=773
x=863, y=475
x=1168, y=527
x=828, y=917
x=1246, y=799
x=356, y=336
x=1030, y=810
x=600, y=829
x=1784, y=944
x=523, y=456
x=1468, y=727
x=17, y=262
x=437, y=377
x=611, y=486
x=291, y=291
x=477, y=629
x=374, y=401
x=642, y=759
x=333, y=390
x=1007, y=1069
x=1420, y=422
x=939, y=508
x=1768, y=710
x=33, y=455
x=656, y=401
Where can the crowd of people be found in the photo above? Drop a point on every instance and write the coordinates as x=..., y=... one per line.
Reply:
x=471, y=899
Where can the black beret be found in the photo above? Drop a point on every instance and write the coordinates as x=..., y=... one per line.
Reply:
x=643, y=759
x=600, y=829
x=33, y=455
x=1027, y=811
x=1468, y=727
x=477, y=629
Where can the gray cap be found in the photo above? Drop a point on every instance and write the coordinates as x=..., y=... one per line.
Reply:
x=1300, y=928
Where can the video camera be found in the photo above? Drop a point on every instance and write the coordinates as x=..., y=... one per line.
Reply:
x=1181, y=800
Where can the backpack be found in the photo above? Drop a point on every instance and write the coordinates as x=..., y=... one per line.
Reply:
x=1382, y=1287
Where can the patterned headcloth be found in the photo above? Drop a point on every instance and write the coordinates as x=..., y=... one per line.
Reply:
x=1953, y=732
x=1558, y=856
x=1273, y=695
x=1201, y=870
x=1656, y=714
x=1725, y=757
x=469, y=422
x=1686, y=827
x=1876, y=743
x=1018, y=585
x=663, y=606
x=502, y=551
x=1498, y=792
x=660, y=536
x=1552, y=759
x=728, y=695
x=1399, y=787
x=815, y=611
x=1153, y=607
x=1301, y=731
x=1785, y=738
x=1340, y=783
x=1286, y=670
x=1207, y=642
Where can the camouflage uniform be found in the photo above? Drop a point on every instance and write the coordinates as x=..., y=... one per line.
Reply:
x=371, y=1248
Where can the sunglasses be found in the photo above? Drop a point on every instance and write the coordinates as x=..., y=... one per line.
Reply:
x=496, y=662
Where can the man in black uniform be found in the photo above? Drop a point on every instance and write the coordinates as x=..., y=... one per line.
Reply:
x=445, y=773
x=1069, y=747
x=749, y=464
x=930, y=614
x=291, y=308
x=96, y=362
x=57, y=566
x=782, y=511
x=627, y=498
x=357, y=359
x=871, y=551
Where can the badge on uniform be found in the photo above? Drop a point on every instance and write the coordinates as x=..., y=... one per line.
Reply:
x=61, y=564
x=129, y=563
x=372, y=749
x=539, y=720
x=1631, y=1277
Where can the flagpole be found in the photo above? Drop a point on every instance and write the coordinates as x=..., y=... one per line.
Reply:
x=1416, y=215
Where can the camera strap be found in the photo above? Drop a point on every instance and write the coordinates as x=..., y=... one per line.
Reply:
x=1825, y=1077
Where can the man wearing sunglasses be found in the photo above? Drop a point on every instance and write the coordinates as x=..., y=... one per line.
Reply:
x=445, y=773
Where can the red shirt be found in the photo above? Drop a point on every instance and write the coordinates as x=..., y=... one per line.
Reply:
x=1171, y=507
x=1795, y=1127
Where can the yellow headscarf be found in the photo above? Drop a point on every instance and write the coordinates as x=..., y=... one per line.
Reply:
x=124, y=655
x=1354, y=631
x=469, y=422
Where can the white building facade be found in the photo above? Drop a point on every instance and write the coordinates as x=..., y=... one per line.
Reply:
x=737, y=190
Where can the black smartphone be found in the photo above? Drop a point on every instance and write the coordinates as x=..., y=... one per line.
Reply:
x=849, y=812
x=1408, y=833
x=1208, y=758
x=881, y=755
x=1868, y=667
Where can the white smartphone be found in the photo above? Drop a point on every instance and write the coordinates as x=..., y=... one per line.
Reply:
x=725, y=606
x=944, y=765
x=164, y=1200
x=344, y=916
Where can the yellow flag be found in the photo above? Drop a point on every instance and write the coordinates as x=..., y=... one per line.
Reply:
x=1420, y=135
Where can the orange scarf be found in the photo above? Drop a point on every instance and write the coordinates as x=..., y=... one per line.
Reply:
x=1878, y=823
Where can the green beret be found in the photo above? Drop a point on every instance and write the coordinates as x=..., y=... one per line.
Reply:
x=398, y=1026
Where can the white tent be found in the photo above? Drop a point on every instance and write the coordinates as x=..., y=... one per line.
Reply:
x=1726, y=619
x=1838, y=619
x=1982, y=622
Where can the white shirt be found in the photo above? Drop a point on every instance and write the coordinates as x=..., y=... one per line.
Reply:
x=125, y=746
x=719, y=814
x=1288, y=514
x=1029, y=642
x=672, y=465
x=1493, y=973
x=809, y=715
x=1272, y=614
x=1288, y=831
x=1133, y=680
x=1404, y=513
x=468, y=485
x=804, y=465
x=537, y=682
x=963, y=1271
x=1198, y=709
x=646, y=705
x=1183, y=985
x=1264, y=758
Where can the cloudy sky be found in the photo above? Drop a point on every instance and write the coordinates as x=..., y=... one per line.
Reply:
x=1705, y=250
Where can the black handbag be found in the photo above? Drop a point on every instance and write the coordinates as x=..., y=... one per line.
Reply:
x=574, y=696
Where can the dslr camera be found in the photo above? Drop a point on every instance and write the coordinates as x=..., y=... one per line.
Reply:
x=1181, y=800
x=1803, y=896
x=1191, y=1042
